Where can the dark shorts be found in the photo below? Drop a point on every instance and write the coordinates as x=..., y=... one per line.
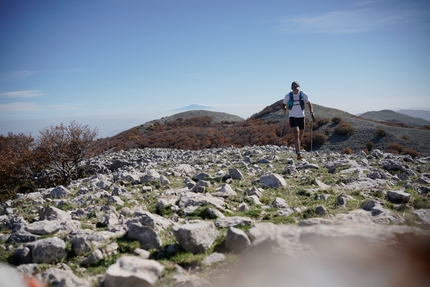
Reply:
x=297, y=122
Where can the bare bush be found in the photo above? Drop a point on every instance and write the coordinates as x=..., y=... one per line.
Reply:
x=20, y=160
x=66, y=147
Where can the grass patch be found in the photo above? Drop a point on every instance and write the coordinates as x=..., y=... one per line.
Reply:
x=126, y=245
x=420, y=202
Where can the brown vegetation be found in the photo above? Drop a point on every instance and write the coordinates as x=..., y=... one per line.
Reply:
x=381, y=132
x=58, y=152
x=369, y=146
x=346, y=151
x=336, y=120
x=20, y=160
x=396, y=148
x=344, y=129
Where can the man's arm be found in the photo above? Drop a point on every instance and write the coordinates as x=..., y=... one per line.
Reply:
x=311, y=109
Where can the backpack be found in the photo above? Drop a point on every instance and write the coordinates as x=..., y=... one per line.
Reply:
x=291, y=101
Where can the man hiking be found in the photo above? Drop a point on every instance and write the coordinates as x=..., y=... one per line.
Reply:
x=295, y=102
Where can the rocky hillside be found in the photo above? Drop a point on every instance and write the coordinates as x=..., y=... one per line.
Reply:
x=250, y=216
x=381, y=134
x=198, y=130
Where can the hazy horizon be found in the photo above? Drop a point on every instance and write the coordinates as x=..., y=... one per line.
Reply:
x=110, y=126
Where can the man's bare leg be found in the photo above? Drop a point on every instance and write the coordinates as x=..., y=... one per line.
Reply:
x=302, y=133
x=298, y=135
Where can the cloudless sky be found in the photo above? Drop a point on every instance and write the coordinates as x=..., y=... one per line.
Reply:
x=142, y=59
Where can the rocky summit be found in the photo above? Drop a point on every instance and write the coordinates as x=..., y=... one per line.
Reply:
x=251, y=216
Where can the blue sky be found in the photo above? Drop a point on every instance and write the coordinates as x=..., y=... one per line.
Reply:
x=113, y=64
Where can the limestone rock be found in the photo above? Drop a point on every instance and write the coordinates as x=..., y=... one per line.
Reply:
x=133, y=271
x=59, y=192
x=53, y=213
x=236, y=240
x=48, y=250
x=398, y=196
x=145, y=235
x=233, y=221
x=272, y=180
x=196, y=237
x=213, y=258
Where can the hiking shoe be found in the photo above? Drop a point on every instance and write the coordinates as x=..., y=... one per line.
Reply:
x=299, y=156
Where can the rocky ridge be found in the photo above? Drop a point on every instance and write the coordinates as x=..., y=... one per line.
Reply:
x=165, y=217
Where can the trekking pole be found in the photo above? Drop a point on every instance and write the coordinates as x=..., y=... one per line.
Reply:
x=312, y=128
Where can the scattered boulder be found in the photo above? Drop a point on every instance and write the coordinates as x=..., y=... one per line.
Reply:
x=146, y=236
x=235, y=174
x=53, y=213
x=279, y=203
x=225, y=191
x=272, y=180
x=398, y=196
x=236, y=240
x=133, y=271
x=48, y=250
x=150, y=176
x=233, y=221
x=196, y=237
x=213, y=258
x=59, y=192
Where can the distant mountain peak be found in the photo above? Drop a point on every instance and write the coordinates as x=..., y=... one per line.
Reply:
x=194, y=107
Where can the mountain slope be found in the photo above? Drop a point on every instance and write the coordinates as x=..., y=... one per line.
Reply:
x=196, y=130
x=395, y=117
x=423, y=114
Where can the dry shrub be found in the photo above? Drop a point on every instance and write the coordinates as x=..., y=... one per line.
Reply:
x=395, y=146
x=411, y=152
x=321, y=121
x=328, y=131
x=381, y=132
x=393, y=151
x=405, y=137
x=319, y=138
x=336, y=120
x=346, y=151
x=344, y=129
x=370, y=145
